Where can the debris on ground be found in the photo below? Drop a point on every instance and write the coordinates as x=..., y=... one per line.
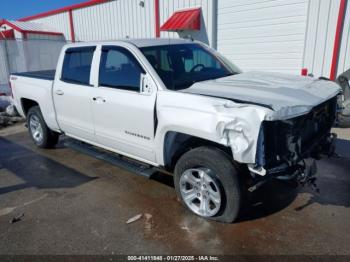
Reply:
x=148, y=222
x=6, y=210
x=11, y=111
x=185, y=228
x=17, y=218
x=133, y=219
x=8, y=112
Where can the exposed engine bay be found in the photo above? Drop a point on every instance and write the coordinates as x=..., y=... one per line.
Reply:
x=287, y=149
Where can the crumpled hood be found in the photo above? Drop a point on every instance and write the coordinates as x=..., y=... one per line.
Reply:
x=287, y=95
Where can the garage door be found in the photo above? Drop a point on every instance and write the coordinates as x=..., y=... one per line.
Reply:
x=263, y=35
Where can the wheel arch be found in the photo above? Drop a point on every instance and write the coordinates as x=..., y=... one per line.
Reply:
x=26, y=104
x=177, y=143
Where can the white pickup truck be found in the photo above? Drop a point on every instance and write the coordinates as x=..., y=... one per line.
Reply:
x=180, y=106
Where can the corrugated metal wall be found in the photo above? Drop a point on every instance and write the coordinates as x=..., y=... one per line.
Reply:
x=115, y=20
x=167, y=8
x=107, y=21
x=45, y=37
x=344, y=54
x=263, y=35
x=271, y=35
x=60, y=22
x=319, y=42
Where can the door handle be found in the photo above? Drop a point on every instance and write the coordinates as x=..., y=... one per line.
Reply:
x=59, y=92
x=99, y=99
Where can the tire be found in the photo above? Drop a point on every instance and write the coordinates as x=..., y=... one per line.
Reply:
x=45, y=137
x=217, y=167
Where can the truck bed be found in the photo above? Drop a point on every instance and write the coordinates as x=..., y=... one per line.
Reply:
x=44, y=74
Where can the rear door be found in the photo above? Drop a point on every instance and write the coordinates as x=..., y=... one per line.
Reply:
x=123, y=113
x=72, y=94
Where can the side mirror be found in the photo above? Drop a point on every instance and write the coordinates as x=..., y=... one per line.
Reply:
x=147, y=85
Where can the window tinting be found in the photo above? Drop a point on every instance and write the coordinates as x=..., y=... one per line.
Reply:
x=180, y=66
x=119, y=69
x=77, y=65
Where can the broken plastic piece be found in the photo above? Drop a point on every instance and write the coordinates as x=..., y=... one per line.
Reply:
x=133, y=219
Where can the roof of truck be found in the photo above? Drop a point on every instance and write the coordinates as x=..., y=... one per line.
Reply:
x=141, y=42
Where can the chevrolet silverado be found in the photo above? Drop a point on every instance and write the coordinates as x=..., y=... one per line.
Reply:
x=180, y=106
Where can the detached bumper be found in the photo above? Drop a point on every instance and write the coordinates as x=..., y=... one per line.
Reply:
x=320, y=147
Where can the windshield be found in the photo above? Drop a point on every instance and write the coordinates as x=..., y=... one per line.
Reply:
x=181, y=65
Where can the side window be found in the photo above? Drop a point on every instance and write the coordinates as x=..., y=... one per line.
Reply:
x=77, y=65
x=119, y=69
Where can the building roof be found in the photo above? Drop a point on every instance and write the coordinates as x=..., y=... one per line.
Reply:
x=30, y=27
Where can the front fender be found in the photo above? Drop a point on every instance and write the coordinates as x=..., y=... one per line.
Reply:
x=214, y=119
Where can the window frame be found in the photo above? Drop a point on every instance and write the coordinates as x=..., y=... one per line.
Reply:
x=75, y=50
x=128, y=54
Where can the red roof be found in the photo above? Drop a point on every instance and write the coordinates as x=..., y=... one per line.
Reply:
x=188, y=19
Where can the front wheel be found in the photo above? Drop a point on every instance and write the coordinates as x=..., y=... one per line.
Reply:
x=206, y=182
x=40, y=133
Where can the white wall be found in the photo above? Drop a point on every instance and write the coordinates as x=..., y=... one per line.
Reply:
x=111, y=20
x=45, y=37
x=168, y=7
x=59, y=22
x=126, y=18
x=115, y=20
x=271, y=35
x=319, y=42
x=344, y=54
x=263, y=35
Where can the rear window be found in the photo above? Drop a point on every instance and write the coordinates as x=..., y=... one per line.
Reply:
x=77, y=65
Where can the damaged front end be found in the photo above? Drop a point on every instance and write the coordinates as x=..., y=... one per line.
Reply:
x=287, y=149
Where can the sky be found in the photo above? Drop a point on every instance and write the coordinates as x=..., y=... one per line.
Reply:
x=15, y=9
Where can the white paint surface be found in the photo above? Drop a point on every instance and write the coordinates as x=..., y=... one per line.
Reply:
x=263, y=35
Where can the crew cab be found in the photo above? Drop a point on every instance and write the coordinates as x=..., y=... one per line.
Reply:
x=182, y=107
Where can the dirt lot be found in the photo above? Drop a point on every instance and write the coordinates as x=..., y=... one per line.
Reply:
x=75, y=204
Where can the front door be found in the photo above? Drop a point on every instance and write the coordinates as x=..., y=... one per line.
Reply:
x=72, y=94
x=123, y=114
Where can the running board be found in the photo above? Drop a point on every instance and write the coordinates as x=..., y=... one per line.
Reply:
x=112, y=158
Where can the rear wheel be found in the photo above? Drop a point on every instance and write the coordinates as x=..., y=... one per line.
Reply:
x=41, y=135
x=206, y=182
